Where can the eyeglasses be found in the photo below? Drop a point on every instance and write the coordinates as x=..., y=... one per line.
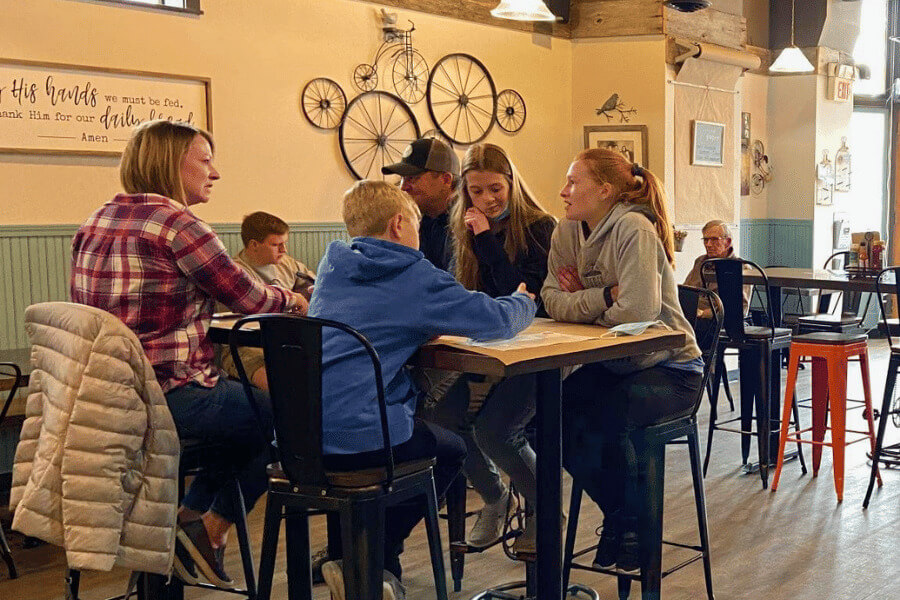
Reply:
x=708, y=240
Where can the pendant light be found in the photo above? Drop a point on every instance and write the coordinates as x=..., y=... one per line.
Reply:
x=523, y=10
x=792, y=59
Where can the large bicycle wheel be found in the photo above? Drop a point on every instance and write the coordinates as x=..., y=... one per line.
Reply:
x=376, y=129
x=410, y=76
x=510, y=111
x=323, y=103
x=462, y=98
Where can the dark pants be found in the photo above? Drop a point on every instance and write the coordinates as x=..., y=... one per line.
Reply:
x=428, y=440
x=223, y=415
x=599, y=407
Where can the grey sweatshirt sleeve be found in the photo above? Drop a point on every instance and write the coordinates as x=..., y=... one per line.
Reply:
x=640, y=281
x=583, y=306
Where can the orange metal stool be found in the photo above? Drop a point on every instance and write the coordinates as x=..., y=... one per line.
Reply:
x=830, y=354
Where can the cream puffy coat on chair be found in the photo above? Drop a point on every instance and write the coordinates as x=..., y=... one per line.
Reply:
x=97, y=462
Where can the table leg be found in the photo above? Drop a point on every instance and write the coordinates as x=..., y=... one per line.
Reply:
x=775, y=303
x=549, y=485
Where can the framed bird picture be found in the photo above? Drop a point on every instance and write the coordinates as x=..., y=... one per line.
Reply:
x=629, y=140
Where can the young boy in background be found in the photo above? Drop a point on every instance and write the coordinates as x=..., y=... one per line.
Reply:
x=382, y=286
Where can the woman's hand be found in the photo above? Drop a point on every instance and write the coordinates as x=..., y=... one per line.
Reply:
x=524, y=290
x=568, y=279
x=476, y=221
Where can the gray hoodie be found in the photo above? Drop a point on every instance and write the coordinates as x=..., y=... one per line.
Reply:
x=624, y=249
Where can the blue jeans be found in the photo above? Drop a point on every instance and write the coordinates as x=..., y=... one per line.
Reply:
x=223, y=415
x=495, y=437
x=599, y=406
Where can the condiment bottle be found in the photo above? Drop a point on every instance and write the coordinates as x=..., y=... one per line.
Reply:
x=853, y=259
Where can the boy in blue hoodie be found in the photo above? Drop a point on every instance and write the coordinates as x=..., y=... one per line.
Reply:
x=381, y=285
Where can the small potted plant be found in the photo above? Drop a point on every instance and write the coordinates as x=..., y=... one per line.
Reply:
x=678, y=238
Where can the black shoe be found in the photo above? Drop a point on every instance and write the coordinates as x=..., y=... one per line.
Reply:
x=607, y=547
x=628, y=557
x=208, y=559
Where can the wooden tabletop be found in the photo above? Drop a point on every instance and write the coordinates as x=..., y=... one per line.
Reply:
x=812, y=278
x=507, y=363
x=20, y=357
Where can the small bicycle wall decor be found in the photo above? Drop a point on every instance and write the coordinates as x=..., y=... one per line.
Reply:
x=375, y=127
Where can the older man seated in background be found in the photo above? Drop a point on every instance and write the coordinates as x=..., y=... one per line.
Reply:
x=717, y=241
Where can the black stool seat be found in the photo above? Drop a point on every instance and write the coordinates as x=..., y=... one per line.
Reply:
x=356, y=479
x=829, y=337
x=756, y=332
x=830, y=320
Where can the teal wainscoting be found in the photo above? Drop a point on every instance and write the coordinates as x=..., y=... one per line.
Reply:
x=785, y=242
x=35, y=264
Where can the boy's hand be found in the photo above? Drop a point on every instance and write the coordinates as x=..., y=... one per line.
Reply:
x=614, y=292
x=476, y=221
x=569, y=280
x=524, y=290
x=300, y=304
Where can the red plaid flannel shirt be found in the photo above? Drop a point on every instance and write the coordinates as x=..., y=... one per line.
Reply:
x=160, y=269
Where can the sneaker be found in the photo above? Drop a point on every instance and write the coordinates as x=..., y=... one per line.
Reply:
x=333, y=572
x=315, y=565
x=183, y=565
x=209, y=560
x=628, y=557
x=488, y=529
x=608, y=546
x=526, y=542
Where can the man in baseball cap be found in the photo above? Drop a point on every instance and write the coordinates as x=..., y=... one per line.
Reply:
x=430, y=172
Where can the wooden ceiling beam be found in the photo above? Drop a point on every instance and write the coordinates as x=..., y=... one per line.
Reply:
x=476, y=11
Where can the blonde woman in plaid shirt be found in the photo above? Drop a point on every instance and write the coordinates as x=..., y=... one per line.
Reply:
x=145, y=257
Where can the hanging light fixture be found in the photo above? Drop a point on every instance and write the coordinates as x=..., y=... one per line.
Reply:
x=792, y=59
x=523, y=10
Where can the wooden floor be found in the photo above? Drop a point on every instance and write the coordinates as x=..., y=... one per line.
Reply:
x=797, y=543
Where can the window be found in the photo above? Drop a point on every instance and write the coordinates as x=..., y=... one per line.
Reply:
x=871, y=47
x=191, y=6
x=865, y=201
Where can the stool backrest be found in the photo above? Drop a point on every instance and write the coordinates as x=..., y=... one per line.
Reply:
x=887, y=283
x=15, y=375
x=707, y=337
x=292, y=348
x=729, y=277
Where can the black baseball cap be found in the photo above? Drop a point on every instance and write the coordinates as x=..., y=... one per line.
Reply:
x=425, y=154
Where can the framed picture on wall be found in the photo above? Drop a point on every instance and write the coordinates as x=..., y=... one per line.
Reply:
x=708, y=148
x=629, y=140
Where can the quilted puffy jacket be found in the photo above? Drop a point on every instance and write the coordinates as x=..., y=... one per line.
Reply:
x=97, y=462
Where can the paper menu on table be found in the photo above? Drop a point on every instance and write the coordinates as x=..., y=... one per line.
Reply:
x=520, y=342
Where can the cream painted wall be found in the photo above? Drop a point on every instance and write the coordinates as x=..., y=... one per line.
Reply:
x=634, y=68
x=259, y=54
x=792, y=146
x=754, y=99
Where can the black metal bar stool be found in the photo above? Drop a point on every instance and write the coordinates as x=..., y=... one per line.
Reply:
x=645, y=454
x=15, y=378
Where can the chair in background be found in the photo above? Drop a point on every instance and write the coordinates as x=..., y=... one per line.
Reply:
x=300, y=483
x=649, y=444
x=14, y=378
x=759, y=359
x=886, y=286
x=828, y=316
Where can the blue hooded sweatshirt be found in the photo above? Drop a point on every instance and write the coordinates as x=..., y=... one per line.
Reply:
x=397, y=299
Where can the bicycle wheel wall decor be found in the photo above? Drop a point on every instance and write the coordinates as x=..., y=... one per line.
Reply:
x=410, y=75
x=376, y=129
x=510, y=111
x=462, y=98
x=323, y=103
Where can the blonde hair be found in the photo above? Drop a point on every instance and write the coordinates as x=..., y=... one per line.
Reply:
x=151, y=163
x=524, y=210
x=633, y=185
x=370, y=205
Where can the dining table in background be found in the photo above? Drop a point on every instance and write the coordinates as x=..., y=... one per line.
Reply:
x=548, y=363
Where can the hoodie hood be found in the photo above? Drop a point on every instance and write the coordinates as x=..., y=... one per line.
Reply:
x=367, y=259
x=612, y=217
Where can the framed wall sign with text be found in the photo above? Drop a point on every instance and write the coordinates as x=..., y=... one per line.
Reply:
x=48, y=108
x=708, y=144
